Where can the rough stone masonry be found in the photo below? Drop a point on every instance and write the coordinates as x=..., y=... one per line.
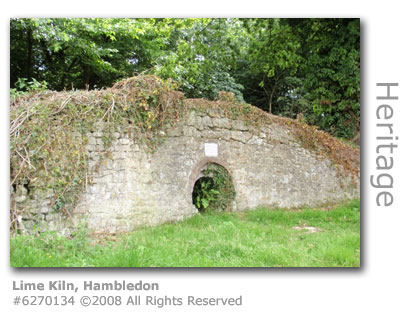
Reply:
x=132, y=188
x=268, y=168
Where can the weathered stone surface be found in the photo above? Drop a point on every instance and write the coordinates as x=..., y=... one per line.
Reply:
x=97, y=134
x=207, y=122
x=240, y=136
x=222, y=123
x=136, y=188
x=20, y=199
x=267, y=170
x=239, y=125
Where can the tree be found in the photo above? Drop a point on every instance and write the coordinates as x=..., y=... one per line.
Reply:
x=272, y=58
x=81, y=53
x=202, y=57
x=331, y=72
x=283, y=66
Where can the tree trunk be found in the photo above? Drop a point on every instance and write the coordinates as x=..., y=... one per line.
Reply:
x=29, y=65
x=67, y=72
x=86, y=76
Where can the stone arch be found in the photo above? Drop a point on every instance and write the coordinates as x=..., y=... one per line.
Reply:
x=226, y=199
x=196, y=173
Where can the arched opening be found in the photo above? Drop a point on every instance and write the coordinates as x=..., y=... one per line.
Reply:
x=203, y=193
x=214, y=189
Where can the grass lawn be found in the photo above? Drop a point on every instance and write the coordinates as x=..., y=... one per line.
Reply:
x=257, y=238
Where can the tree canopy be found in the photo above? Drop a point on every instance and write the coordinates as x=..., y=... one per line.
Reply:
x=283, y=66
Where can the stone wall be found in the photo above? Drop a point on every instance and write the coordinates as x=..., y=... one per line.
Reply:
x=134, y=187
x=268, y=168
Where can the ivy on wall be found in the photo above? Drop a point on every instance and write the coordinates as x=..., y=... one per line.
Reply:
x=49, y=134
x=49, y=131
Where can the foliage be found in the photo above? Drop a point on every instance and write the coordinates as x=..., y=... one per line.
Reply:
x=204, y=193
x=202, y=57
x=258, y=238
x=283, y=66
x=331, y=73
x=273, y=56
x=308, y=66
x=344, y=157
x=83, y=52
x=49, y=131
x=49, y=134
x=214, y=191
x=23, y=87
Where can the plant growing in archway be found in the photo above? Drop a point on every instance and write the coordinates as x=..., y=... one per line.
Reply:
x=215, y=190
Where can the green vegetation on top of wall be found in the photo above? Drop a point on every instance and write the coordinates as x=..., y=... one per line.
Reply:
x=281, y=65
x=342, y=154
x=49, y=130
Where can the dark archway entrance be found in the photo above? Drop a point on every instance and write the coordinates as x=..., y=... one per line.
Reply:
x=214, y=189
x=203, y=193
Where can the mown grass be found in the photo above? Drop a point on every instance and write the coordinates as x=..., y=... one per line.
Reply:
x=258, y=238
